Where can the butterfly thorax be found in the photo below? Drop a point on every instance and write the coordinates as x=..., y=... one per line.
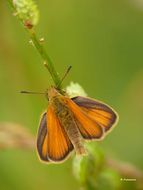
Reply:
x=62, y=111
x=58, y=102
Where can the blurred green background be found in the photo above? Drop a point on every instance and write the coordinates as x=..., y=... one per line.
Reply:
x=103, y=41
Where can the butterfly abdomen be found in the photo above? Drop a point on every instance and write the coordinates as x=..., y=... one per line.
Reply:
x=73, y=133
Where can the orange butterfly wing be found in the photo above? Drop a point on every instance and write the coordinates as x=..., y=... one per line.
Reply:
x=59, y=145
x=99, y=112
x=53, y=143
x=88, y=128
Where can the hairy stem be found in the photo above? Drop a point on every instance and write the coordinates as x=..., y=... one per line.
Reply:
x=41, y=50
x=47, y=61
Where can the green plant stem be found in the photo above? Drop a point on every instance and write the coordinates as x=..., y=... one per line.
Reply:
x=41, y=50
x=47, y=61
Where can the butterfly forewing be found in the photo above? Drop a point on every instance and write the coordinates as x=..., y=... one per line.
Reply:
x=88, y=128
x=59, y=145
x=97, y=111
x=53, y=143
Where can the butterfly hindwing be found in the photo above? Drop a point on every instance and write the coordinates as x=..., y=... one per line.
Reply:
x=42, y=139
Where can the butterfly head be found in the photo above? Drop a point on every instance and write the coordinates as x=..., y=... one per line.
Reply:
x=52, y=92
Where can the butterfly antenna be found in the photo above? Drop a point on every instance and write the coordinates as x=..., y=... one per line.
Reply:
x=66, y=73
x=28, y=92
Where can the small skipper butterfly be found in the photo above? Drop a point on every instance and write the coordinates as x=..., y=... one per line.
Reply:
x=68, y=122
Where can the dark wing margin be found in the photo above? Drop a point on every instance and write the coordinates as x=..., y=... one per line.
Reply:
x=98, y=111
x=42, y=139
